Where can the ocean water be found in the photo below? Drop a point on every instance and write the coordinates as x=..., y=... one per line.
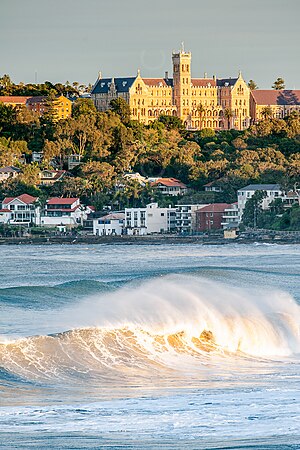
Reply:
x=150, y=346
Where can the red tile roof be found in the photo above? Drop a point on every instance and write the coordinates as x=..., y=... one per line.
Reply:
x=36, y=99
x=273, y=97
x=155, y=82
x=170, y=182
x=25, y=198
x=57, y=174
x=215, y=207
x=203, y=82
x=20, y=100
x=61, y=201
x=5, y=210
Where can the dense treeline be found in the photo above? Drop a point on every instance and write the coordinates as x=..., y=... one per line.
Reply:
x=110, y=144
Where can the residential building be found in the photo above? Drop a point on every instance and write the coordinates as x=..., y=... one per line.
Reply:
x=230, y=215
x=186, y=217
x=68, y=212
x=49, y=177
x=280, y=103
x=210, y=217
x=198, y=102
x=149, y=220
x=169, y=186
x=213, y=186
x=24, y=209
x=273, y=191
x=61, y=105
x=8, y=172
x=110, y=225
x=5, y=215
x=13, y=100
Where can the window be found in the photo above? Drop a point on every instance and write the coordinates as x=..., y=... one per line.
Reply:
x=162, y=214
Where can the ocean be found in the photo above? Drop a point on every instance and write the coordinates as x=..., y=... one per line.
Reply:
x=150, y=346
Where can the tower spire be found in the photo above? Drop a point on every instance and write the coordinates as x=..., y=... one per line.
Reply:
x=182, y=47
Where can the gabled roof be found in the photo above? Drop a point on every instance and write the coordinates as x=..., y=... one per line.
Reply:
x=103, y=84
x=215, y=207
x=9, y=169
x=158, y=82
x=261, y=187
x=57, y=174
x=203, y=82
x=225, y=82
x=25, y=198
x=21, y=99
x=273, y=97
x=61, y=200
x=169, y=182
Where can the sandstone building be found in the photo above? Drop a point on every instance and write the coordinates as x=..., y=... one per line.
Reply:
x=198, y=102
x=277, y=104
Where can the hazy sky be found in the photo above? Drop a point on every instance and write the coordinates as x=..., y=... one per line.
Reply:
x=74, y=39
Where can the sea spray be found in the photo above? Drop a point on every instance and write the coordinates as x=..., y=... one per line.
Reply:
x=164, y=324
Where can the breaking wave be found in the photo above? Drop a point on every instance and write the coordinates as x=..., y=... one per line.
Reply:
x=169, y=323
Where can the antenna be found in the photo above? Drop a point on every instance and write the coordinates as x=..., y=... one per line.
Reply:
x=182, y=47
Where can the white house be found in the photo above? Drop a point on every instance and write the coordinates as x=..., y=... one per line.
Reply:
x=152, y=219
x=230, y=215
x=67, y=212
x=24, y=209
x=109, y=225
x=186, y=217
x=49, y=177
x=5, y=215
x=273, y=191
x=8, y=172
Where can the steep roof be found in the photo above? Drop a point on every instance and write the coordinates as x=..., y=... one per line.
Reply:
x=25, y=198
x=203, y=82
x=103, y=84
x=261, y=187
x=158, y=82
x=273, y=97
x=36, y=99
x=61, y=200
x=225, y=82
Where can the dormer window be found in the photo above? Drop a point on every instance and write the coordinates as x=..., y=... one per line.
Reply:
x=102, y=84
x=124, y=83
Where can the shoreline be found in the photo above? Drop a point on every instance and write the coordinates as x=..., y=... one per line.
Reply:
x=148, y=240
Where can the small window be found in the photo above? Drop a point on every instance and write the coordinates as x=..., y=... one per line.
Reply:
x=162, y=214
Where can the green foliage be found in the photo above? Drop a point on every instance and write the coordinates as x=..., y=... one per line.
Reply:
x=171, y=122
x=279, y=84
x=120, y=107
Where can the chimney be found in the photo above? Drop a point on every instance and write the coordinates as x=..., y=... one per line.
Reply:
x=214, y=77
x=166, y=75
x=205, y=74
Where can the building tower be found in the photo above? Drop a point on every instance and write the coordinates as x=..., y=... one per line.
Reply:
x=182, y=83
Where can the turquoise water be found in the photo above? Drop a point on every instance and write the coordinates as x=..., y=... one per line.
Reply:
x=133, y=346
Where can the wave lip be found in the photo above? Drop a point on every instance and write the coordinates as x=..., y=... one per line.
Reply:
x=171, y=323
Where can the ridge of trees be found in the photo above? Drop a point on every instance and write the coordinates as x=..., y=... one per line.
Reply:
x=110, y=144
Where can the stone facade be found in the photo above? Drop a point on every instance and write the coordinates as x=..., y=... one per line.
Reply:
x=198, y=102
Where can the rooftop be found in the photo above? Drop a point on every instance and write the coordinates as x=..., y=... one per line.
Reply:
x=62, y=200
x=273, y=97
x=24, y=198
x=261, y=187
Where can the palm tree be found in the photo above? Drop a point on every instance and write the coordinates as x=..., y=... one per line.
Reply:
x=201, y=110
x=279, y=84
x=228, y=114
x=266, y=112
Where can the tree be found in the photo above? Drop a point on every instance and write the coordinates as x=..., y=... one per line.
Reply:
x=171, y=122
x=253, y=209
x=228, y=114
x=121, y=108
x=252, y=85
x=83, y=106
x=279, y=84
x=202, y=111
x=267, y=112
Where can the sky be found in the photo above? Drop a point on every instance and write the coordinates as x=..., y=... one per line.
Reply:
x=72, y=40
